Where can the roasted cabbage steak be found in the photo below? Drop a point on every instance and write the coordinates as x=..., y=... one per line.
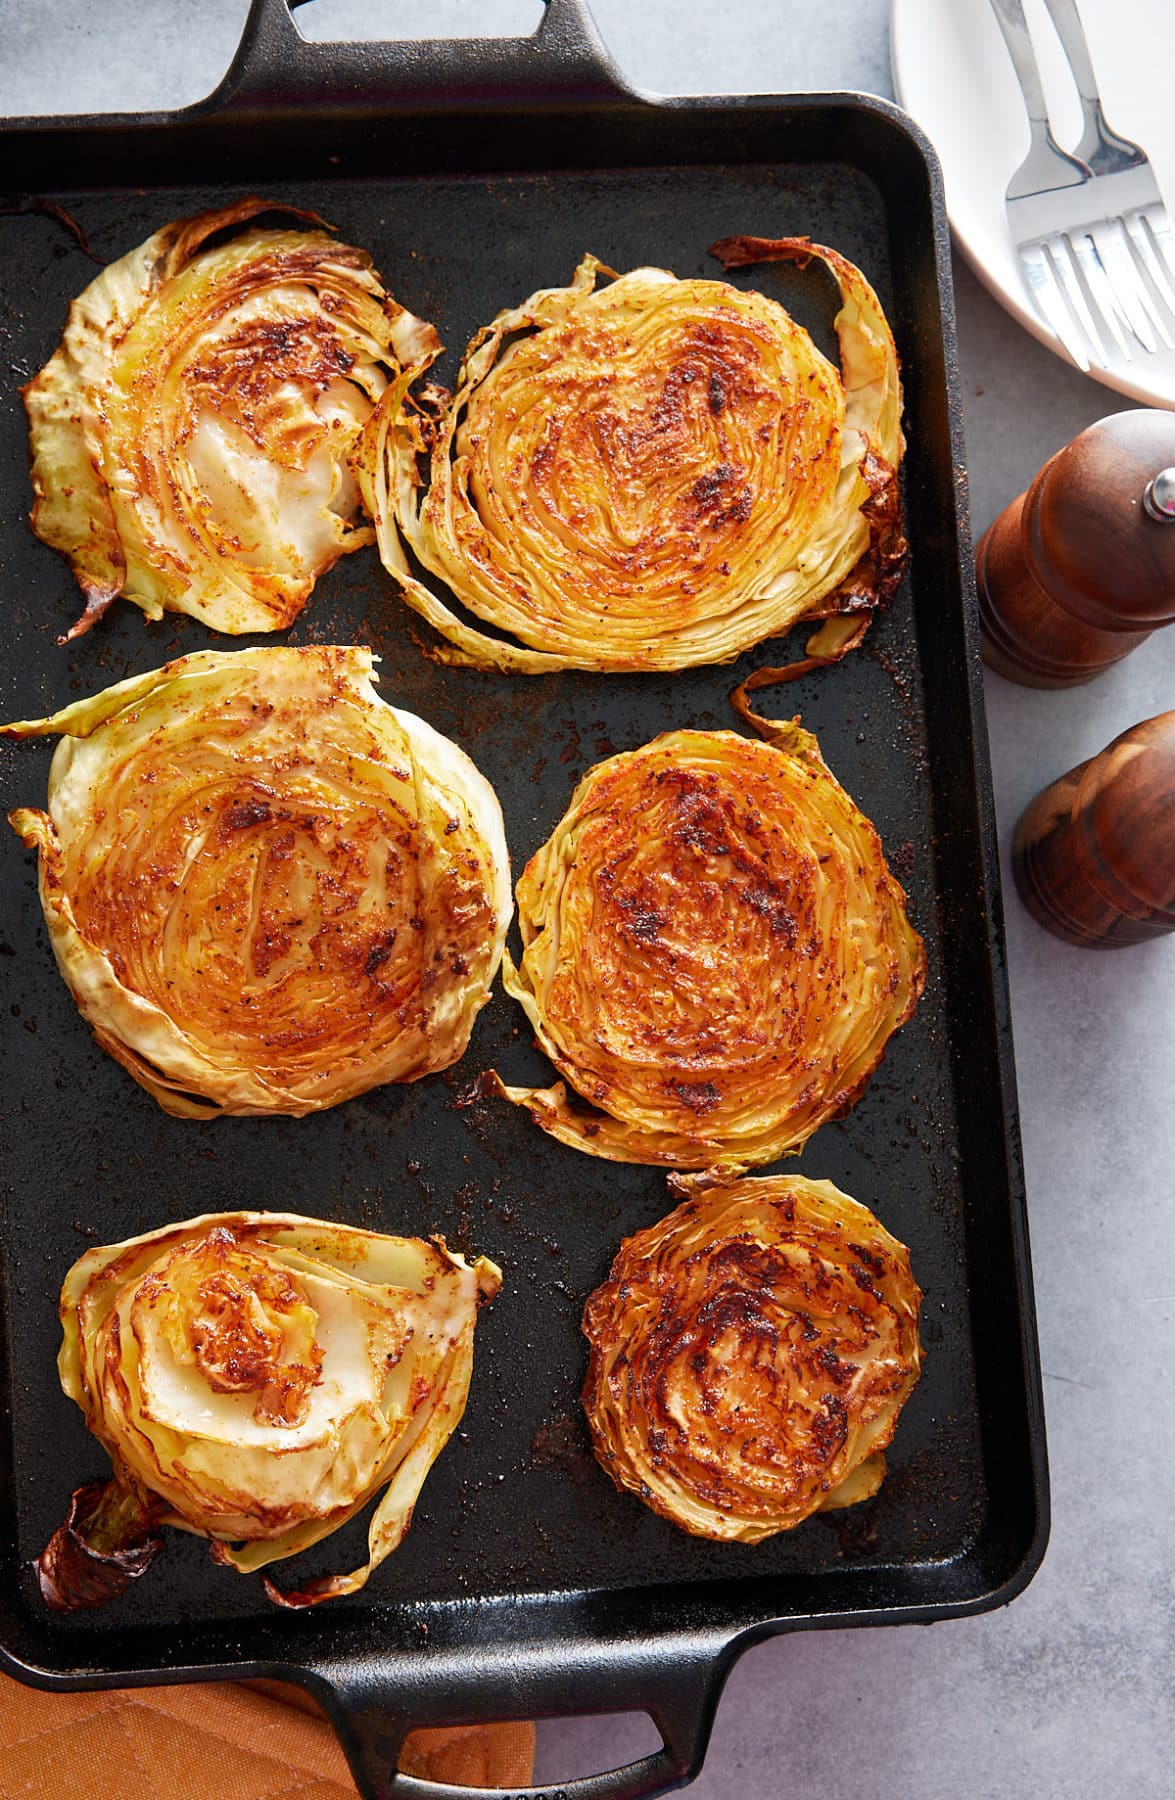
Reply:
x=750, y=1354
x=267, y=889
x=191, y=436
x=652, y=473
x=257, y=1378
x=715, y=953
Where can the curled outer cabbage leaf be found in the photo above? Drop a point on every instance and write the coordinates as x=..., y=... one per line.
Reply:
x=267, y=889
x=257, y=1378
x=750, y=1354
x=649, y=475
x=190, y=436
x=714, y=952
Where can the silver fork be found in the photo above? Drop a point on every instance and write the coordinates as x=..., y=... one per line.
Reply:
x=1121, y=168
x=1085, y=237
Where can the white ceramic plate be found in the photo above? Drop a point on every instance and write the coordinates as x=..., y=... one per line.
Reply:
x=952, y=72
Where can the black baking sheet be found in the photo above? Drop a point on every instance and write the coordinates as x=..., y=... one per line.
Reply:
x=515, y=1505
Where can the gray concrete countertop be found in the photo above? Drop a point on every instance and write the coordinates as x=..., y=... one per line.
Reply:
x=1066, y=1694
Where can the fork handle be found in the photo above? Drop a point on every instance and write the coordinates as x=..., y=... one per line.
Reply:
x=1013, y=24
x=1075, y=44
x=1097, y=134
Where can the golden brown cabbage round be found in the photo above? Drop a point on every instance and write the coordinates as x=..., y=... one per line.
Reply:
x=190, y=437
x=649, y=475
x=258, y=1377
x=715, y=953
x=267, y=889
x=750, y=1354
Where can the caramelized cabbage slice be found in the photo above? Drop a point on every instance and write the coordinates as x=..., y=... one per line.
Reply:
x=648, y=475
x=750, y=1354
x=190, y=436
x=267, y=889
x=715, y=953
x=257, y=1378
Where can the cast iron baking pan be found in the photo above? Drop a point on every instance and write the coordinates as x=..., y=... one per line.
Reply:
x=474, y=173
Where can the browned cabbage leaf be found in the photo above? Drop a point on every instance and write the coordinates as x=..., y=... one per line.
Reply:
x=191, y=435
x=647, y=475
x=257, y=1378
x=750, y=1354
x=715, y=953
x=268, y=889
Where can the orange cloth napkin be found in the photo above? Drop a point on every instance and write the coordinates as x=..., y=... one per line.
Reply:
x=218, y=1741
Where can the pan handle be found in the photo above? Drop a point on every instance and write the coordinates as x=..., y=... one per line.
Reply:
x=678, y=1685
x=275, y=65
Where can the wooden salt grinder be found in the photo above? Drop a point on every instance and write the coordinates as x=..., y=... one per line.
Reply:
x=1081, y=568
x=1094, y=854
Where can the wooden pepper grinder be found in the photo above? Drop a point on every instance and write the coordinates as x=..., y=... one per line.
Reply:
x=1094, y=854
x=1081, y=568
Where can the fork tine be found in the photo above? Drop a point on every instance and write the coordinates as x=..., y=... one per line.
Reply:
x=1094, y=308
x=1130, y=290
x=1110, y=286
x=1142, y=236
x=1159, y=297
x=1159, y=222
x=1100, y=290
x=1042, y=281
